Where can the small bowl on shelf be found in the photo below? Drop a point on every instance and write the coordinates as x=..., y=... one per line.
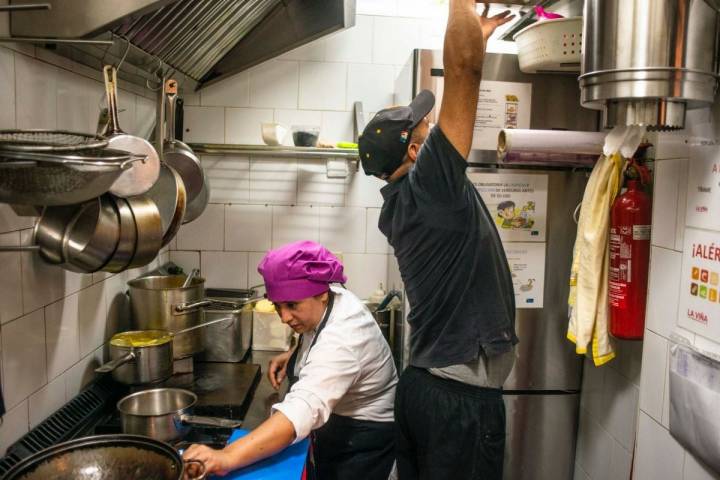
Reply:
x=305, y=135
x=273, y=134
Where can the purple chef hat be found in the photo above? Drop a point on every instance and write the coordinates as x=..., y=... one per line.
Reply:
x=299, y=270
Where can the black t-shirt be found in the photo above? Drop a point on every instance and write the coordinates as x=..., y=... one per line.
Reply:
x=451, y=260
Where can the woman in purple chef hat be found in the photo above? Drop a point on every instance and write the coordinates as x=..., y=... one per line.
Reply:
x=341, y=374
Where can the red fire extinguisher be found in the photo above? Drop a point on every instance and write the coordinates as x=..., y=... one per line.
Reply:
x=630, y=220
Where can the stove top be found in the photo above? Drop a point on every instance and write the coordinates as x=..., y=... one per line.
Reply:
x=223, y=389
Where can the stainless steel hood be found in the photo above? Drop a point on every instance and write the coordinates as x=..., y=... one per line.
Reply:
x=205, y=40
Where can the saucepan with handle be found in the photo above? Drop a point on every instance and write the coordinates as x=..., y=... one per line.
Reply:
x=141, y=357
x=164, y=414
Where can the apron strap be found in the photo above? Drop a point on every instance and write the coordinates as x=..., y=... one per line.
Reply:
x=292, y=378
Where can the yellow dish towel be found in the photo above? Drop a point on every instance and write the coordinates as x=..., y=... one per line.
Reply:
x=589, y=273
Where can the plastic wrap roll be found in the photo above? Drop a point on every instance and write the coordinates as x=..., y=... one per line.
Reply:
x=549, y=147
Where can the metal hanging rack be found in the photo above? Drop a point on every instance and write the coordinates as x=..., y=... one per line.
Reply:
x=43, y=6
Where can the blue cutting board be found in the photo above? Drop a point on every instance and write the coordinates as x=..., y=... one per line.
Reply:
x=286, y=465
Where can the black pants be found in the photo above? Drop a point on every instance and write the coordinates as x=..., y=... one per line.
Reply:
x=349, y=449
x=447, y=430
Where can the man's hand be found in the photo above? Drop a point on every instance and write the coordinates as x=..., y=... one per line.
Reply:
x=277, y=369
x=216, y=461
x=489, y=24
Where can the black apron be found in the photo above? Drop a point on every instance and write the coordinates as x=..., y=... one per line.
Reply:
x=346, y=448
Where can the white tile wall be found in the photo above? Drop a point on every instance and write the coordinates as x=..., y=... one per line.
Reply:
x=248, y=228
x=62, y=335
x=229, y=178
x=36, y=93
x=186, y=260
x=224, y=269
x=370, y=84
x=315, y=188
x=274, y=84
x=663, y=291
x=23, y=357
x=658, y=455
x=343, y=229
x=231, y=92
x=204, y=124
x=351, y=45
x=291, y=224
x=11, y=305
x=694, y=469
x=394, y=39
x=654, y=374
x=273, y=181
x=243, y=125
x=205, y=233
x=666, y=205
x=7, y=94
x=323, y=86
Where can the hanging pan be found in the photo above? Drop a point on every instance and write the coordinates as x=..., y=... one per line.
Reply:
x=138, y=179
x=184, y=161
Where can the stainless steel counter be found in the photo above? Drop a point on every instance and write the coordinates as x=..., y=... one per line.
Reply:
x=265, y=395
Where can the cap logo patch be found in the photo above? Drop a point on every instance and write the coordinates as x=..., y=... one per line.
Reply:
x=404, y=136
x=378, y=131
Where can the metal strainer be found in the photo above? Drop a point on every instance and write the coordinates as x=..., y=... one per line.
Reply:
x=49, y=141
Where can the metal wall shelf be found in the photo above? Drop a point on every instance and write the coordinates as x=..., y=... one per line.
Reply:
x=280, y=151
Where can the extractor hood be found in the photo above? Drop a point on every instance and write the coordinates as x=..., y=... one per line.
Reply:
x=647, y=62
x=205, y=40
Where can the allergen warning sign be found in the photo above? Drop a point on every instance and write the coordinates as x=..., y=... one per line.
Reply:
x=700, y=283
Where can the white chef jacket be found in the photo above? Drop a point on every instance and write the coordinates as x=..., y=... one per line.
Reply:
x=349, y=371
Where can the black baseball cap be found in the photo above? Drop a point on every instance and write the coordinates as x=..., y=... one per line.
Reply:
x=384, y=141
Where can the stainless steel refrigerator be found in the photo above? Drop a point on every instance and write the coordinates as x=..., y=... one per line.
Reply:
x=542, y=394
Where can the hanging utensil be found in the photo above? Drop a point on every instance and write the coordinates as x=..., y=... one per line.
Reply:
x=49, y=231
x=169, y=195
x=128, y=238
x=149, y=230
x=179, y=156
x=49, y=141
x=92, y=236
x=60, y=178
x=193, y=273
x=141, y=176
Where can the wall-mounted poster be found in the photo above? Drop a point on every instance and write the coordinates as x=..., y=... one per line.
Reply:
x=700, y=283
x=517, y=203
x=500, y=105
x=527, y=267
x=703, y=198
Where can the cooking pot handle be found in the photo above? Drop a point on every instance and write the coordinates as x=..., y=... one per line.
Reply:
x=210, y=421
x=113, y=364
x=202, y=468
x=185, y=307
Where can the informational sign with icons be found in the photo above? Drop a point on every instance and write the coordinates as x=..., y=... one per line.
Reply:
x=700, y=284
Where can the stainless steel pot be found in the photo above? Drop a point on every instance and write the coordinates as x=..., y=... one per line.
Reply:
x=164, y=414
x=92, y=236
x=106, y=457
x=156, y=303
x=140, y=365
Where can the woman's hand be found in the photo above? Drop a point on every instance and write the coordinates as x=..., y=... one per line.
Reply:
x=277, y=369
x=216, y=462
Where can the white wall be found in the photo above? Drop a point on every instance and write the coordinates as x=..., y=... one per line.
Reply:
x=658, y=454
